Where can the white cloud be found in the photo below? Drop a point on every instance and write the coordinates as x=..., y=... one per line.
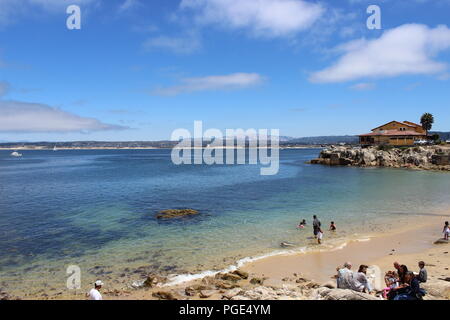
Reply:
x=264, y=18
x=33, y=117
x=409, y=49
x=210, y=83
x=128, y=5
x=180, y=45
x=363, y=86
x=4, y=88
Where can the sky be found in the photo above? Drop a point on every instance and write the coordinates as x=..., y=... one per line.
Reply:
x=138, y=70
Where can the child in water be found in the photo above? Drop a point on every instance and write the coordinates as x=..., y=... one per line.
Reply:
x=302, y=224
x=319, y=236
x=332, y=226
x=446, y=230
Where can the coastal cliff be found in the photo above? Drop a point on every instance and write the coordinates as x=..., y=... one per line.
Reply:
x=425, y=158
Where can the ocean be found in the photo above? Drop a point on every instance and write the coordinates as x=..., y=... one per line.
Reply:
x=97, y=209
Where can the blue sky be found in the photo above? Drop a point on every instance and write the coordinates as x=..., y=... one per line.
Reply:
x=137, y=70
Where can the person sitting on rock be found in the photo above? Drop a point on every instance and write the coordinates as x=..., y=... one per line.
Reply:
x=345, y=276
x=391, y=283
x=410, y=290
x=360, y=281
x=423, y=275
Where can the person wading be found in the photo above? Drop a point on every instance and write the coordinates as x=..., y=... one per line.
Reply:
x=316, y=226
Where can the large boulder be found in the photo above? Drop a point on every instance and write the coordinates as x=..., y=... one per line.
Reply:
x=342, y=294
x=437, y=289
x=368, y=158
x=269, y=293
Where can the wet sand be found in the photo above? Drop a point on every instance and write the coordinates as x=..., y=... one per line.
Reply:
x=408, y=245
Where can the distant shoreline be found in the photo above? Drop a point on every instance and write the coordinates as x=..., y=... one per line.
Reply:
x=38, y=148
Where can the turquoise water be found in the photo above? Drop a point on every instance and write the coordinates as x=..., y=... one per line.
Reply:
x=96, y=209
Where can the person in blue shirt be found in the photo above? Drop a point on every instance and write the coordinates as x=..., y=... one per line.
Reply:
x=410, y=290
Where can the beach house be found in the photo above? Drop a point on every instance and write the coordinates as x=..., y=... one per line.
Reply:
x=394, y=133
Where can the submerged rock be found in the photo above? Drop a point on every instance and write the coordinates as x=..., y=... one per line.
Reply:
x=176, y=213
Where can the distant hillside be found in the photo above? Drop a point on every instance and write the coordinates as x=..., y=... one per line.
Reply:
x=284, y=141
x=443, y=135
x=325, y=140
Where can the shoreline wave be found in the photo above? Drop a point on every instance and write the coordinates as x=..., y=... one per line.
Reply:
x=332, y=246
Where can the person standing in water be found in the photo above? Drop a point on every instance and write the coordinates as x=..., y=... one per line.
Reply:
x=316, y=226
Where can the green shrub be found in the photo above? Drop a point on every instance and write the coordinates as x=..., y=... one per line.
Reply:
x=385, y=148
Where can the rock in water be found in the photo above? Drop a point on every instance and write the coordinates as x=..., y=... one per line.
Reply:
x=176, y=213
x=286, y=244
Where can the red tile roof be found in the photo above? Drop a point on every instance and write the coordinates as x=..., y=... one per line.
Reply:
x=404, y=123
x=393, y=133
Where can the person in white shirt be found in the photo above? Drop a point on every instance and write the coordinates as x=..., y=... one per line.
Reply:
x=345, y=276
x=94, y=294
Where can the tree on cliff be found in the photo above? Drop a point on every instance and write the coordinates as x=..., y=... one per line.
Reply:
x=427, y=121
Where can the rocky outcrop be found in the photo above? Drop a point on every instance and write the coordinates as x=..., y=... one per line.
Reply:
x=153, y=280
x=269, y=293
x=176, y=213
x=426, y=158
x=437, y=289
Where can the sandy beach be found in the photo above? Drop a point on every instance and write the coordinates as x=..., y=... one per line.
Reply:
x=407, y=244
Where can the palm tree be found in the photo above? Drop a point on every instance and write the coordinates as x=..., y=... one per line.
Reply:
x=427, y=121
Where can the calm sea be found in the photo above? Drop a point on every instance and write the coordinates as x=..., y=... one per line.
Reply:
x=96, y=209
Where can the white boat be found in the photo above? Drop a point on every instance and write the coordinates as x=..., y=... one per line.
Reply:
x=16, y=154
x=54, y=148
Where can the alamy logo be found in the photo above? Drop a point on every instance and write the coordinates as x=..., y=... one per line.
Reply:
x=74, y=280
x=237, y=146
x=73, y=22
x=374, y=20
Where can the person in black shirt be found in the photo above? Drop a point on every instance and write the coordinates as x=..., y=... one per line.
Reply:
x=316, y=226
